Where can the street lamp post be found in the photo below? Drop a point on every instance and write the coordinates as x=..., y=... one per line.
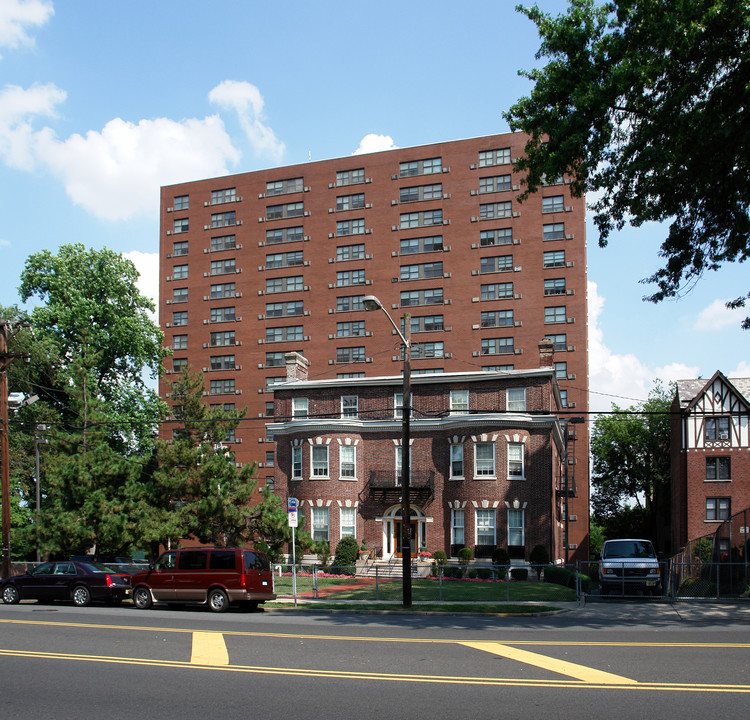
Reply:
x=370, y=302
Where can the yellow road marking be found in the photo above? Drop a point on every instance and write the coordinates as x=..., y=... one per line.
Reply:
x=563, y=667
x=359, y=638
x=387, y=677
x=209, y=648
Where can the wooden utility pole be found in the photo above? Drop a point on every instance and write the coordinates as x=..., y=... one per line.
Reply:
x=4, y=446
x=5, y=360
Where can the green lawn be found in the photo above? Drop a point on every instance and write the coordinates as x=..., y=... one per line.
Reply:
x=425, y=590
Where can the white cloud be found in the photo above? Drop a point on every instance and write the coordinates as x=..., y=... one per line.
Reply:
x=717, y=316
x=147, y=265
x=17, y=16
x=17, y=107
x=622, y=379
x=741, y=371
x=375, y=143
x=245, y=99
x=116, y=173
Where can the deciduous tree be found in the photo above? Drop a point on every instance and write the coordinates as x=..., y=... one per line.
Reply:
x=631, y=464
x=643, y=103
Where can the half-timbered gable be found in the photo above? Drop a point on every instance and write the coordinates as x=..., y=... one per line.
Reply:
x=710, y=454
x=717, y=415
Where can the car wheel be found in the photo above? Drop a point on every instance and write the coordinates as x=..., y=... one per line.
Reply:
x=142, y=598
x=218, y=600
x=81, y=596
x=11, y=596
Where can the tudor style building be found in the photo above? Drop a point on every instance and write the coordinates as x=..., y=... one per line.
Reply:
x=487, y=457
x=710, y=455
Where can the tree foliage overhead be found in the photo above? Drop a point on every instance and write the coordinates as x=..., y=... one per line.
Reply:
x=631, y=462
x=644, y=103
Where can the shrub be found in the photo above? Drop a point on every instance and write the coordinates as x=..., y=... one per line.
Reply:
x=538, y=557
x=484, y=573
x=465, y=555
x=473, y=574
x=440, y=557
x=565, y=577
x=697, y=587
x=519, y=573
x=453, y=571
x=347, y=552
x=500, y=556
x=324, y=553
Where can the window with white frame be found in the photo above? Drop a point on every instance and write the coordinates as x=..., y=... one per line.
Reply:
x=457, y=526
x=400, y=464
x=398, y=405
x=320, y=523
x=300, y=407
x=348, y=522
x=515, y=400
x=319, y=461
x=459, y=402
x=348, y=462
x=485, y=529
x=457, y=460
x=349, y=406
x=296, y=462
x=516, y=534
x=484, y=459
x=515, y=461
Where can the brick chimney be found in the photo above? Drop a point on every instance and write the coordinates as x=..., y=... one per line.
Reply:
x=546, y=353
x=296, y=366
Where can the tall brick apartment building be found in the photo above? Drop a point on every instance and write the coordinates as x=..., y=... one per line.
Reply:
x=710, y=456
x=486, y=459
x=259, y=264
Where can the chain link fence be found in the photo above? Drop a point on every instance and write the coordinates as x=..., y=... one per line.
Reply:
x=431, y=583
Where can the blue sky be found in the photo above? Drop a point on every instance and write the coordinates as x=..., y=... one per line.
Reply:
x=102, y=103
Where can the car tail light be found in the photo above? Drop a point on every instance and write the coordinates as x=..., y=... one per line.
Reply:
x=109, y=581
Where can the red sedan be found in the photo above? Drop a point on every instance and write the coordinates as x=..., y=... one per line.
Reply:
x=76, y=582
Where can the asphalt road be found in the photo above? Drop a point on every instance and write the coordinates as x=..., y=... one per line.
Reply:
x=621, y=660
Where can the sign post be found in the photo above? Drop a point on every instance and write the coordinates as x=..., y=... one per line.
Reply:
x=292, y=515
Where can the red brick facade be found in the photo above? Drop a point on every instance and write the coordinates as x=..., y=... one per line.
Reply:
x=710, y=455
x=258, y=264
x=450, y=490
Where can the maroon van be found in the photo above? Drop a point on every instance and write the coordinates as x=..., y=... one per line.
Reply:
x=213, y=576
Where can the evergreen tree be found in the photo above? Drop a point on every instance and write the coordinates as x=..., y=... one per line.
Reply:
x=197, y=489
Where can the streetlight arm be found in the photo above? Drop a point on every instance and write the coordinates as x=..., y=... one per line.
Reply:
x=372, y=303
